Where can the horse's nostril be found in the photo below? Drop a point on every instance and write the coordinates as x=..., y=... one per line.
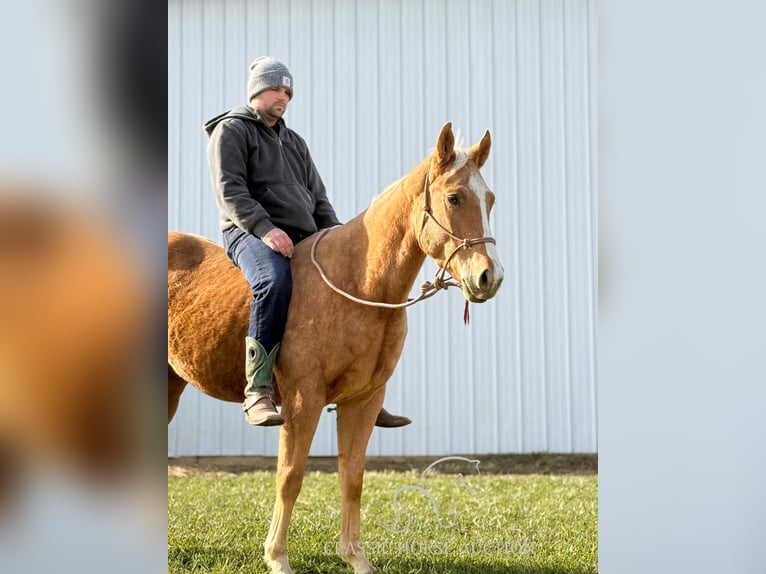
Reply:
x=484, y=279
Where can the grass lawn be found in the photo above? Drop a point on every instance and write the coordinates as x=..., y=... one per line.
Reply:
x=531, y=523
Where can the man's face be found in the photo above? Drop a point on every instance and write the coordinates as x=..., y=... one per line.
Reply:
x=271, y=103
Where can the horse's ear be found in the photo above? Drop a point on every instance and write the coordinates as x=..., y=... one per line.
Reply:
x=480, y=151
x=445, y=147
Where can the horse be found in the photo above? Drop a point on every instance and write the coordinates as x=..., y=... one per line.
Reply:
x=346, y=322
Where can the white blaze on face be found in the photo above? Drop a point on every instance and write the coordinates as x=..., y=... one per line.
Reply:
x=477, y=185
x=461, y=158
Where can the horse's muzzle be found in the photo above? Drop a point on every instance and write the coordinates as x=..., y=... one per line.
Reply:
x=482, y=285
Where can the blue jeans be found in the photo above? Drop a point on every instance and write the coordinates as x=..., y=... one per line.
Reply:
x=268, y=274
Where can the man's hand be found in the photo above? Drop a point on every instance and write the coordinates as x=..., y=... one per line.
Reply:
x=279, y=241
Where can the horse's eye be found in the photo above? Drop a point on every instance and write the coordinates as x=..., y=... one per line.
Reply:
x=453, y=200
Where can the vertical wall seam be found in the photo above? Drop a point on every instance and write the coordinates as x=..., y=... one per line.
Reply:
x=334, y=127
x=495, y=344
x=400, y=162
x=203, y=74
x=541, y=229
x=421, y=131
x=179, y=112
x=268, y=30
x=450, y=386
x=565, y=242
x=591, y=50
x=472, y=339
x=289, y=30
x=517, y=243
x=357, y=35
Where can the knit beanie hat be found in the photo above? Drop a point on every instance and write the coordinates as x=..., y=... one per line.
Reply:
x=267, y=73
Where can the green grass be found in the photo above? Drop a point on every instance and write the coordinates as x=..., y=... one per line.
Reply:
x=535, y=524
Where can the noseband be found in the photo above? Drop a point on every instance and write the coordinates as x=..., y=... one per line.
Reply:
x=427, y=288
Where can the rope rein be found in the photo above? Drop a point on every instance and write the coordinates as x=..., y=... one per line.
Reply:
x=427, y=288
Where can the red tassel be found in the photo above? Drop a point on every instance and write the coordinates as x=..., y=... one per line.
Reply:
x=466, y=315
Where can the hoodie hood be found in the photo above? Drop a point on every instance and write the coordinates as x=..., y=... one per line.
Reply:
x=241, y=112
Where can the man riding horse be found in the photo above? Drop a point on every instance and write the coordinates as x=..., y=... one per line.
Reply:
x=270, y=197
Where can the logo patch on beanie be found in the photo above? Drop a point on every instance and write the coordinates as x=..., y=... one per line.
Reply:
x=286, y=81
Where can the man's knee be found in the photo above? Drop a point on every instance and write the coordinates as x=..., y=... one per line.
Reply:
x=276, y=283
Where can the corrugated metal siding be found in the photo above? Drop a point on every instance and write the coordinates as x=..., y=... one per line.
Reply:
x=374, y=82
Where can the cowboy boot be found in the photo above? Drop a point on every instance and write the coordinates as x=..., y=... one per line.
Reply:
x=387, y=420
x=259, y=407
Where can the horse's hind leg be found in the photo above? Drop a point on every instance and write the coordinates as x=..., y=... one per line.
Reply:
x=176, y=386
x=295, y=438
x=355, y=424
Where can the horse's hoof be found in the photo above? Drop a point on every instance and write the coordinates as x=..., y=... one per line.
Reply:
x=280, y=565
x=366, y=569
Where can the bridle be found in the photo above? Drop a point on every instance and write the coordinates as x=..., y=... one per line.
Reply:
x=428, y=289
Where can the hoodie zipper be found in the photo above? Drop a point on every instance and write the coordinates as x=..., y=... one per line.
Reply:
x=275, y=132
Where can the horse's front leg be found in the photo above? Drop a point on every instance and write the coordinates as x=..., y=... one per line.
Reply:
x=355, y=424
x=294, y=443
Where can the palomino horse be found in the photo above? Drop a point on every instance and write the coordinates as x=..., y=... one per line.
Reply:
x=335, y=350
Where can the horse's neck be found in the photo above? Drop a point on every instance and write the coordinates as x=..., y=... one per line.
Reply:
x=388, y=253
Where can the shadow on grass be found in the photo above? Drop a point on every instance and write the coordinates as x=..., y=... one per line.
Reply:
x=452, y=564
x=456, y=565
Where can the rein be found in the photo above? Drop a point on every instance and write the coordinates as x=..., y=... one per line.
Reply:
x=427, y=288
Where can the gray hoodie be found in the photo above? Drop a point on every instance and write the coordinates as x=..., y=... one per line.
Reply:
x=264, y=177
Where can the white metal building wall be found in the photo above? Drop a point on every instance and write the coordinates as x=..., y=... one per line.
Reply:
x=374, y=83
